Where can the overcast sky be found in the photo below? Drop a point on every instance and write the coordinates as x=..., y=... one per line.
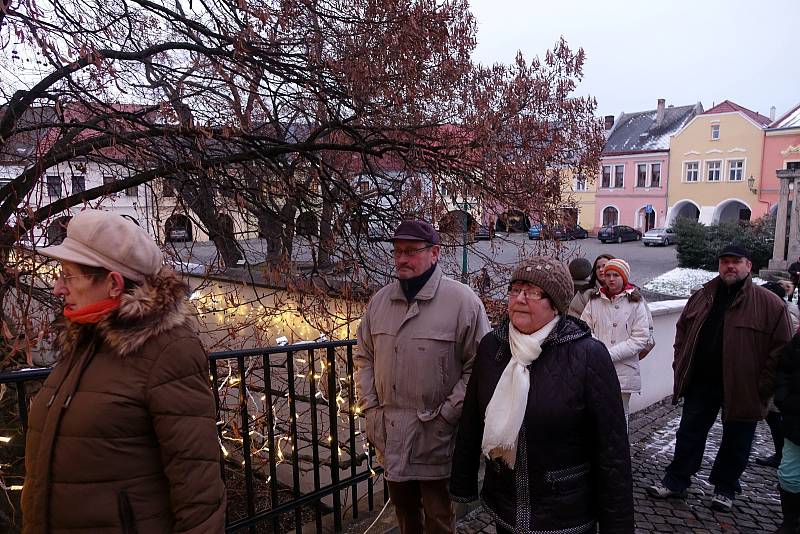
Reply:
x=747, y=51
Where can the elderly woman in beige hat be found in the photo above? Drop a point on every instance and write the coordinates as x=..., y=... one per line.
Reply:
x=122, y=435
x=543, y=409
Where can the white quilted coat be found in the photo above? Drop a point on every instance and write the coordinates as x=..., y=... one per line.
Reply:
x=622, y=324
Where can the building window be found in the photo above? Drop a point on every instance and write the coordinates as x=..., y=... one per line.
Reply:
x=692, y=171
x=655, y=175
x=78, y=183
x=713, y=171
x=715, y=131
x=363, y=187
x=606, y=180
x=132, y=191
x=641, y=175
x=619, y=173
x=168, y=187
x=580, y=183
x=610, y=216
x=53, y=186
x=735, y=170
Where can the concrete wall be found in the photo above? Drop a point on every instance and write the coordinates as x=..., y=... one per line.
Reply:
x=656, y=368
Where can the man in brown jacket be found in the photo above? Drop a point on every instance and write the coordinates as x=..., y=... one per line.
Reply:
x=416, y=344
x=727, y=342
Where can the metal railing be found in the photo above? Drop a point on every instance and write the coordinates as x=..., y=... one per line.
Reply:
x=288, y=420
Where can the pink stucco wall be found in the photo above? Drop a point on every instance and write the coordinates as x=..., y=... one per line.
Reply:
x=630, y=199
x=772, y=161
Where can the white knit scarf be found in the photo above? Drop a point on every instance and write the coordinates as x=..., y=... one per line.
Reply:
x=506, y=409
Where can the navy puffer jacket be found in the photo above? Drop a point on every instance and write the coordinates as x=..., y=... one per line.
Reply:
x=573, y=470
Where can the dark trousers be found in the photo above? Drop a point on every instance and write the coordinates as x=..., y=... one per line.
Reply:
x=501, y=530
x=776, y=429
x=700, y=408
x=432, y=497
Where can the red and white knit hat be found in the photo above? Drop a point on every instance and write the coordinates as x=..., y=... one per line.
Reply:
x=621, y=267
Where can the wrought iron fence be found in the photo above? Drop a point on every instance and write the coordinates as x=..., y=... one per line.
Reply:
x=290, y=431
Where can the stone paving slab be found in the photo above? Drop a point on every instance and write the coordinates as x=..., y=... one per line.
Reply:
x=756, y=510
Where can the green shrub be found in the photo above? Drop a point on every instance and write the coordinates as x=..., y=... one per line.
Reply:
x=698, y=244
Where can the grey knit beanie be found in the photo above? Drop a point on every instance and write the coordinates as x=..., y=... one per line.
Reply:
x=551, y=276
x=580, y=269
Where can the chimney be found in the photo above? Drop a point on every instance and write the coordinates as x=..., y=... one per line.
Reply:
x=609, y=122
x=772, y=113
x=660, y=111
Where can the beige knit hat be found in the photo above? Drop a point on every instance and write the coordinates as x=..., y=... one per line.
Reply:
x=102, y=239
x=551, y=276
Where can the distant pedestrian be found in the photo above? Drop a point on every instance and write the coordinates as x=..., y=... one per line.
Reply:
x=543, y=410
x=773, y=413
x=727, y=342
x=122, y=436
x=484, y=282
x=618, y=317
x=580, y=299
x=794, y=273
x=580, y=269
x=787, y=398
x=416, y=345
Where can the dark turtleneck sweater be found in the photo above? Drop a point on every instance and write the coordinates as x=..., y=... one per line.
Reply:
x=707, y=370
x=411, y=286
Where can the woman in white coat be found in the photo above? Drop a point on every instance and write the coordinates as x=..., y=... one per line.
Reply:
x=617, y=315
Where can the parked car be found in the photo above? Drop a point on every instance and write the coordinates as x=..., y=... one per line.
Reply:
x=618, y=234
x=660, y=236
x=574, y=232
x=535, y=231
x=482, y=233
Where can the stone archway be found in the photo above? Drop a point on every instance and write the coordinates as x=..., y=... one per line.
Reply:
x=513, y=221
x=454, y=222
x=731, y=210
x=645, y=220
x=610, y=216
x=307, y=224
x=685, y=209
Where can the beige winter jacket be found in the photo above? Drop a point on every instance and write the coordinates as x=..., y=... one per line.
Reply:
x=623, y=325
x=414, y=361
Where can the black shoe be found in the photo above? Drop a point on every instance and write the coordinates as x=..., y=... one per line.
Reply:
x=770, y=461
x=790, y=505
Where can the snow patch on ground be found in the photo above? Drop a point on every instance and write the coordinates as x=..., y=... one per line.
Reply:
x=680, y=281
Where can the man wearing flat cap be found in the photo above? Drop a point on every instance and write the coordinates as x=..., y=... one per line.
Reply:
x=727, y=344
x=416, y=345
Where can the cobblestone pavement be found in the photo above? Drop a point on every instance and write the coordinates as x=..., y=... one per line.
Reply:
x=757, y=509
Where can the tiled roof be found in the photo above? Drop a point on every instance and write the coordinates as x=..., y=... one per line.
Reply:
x=790, y=119
x=638, y=132
x=726, y=106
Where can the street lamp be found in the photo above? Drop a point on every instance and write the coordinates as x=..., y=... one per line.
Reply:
x=751, y=183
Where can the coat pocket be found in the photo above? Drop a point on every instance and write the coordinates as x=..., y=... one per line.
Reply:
x=376, y=430
x=433, y=442
x=571, y=492
x=125, y=510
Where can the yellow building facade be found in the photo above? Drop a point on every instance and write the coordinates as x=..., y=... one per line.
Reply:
x=715, y=166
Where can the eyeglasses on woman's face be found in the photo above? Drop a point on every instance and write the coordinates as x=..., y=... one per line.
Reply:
x=527, y=292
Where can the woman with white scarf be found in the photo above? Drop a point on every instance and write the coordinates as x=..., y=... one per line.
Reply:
x=543, y=408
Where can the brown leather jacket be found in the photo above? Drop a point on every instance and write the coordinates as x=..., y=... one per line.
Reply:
x=122, y=436
x=756, y=329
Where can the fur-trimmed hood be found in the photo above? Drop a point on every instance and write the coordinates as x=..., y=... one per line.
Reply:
x=157, y=305
x=632, y=292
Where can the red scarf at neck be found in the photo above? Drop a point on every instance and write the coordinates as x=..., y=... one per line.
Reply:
x=93, y=313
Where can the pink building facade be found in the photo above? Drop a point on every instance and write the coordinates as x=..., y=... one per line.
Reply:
x=634, y=169
x=781, y=151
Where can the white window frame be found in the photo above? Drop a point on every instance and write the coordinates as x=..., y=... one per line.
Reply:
x=718, y=169
x=579, y=183
x=646, y=175
x=686, y=171
x=715, y=129
x=650, y=174
x=610, y=176
x=729, y=168
x=617, y=186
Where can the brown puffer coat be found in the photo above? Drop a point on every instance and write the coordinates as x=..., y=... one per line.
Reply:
x=122, y=436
